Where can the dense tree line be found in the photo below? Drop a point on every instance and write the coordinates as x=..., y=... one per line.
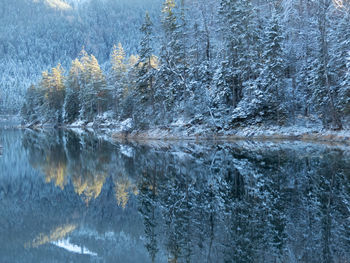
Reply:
x=36, y=35
x=219, y=63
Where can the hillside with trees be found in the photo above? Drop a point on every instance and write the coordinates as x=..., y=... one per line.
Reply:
x=36, y=35
x=216, y=64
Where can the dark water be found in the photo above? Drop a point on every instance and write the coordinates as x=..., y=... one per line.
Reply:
x=77, y=198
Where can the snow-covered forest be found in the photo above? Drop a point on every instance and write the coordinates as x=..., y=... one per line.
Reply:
x=220, y=62
x=36, y=35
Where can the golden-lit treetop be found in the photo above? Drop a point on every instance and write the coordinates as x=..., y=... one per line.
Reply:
x=168, y=6
x=117, y=59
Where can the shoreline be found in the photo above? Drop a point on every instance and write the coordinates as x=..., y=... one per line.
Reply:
x=325, y=136
x=184, y=132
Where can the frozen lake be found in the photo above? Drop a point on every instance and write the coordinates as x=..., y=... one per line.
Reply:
x=66, y=197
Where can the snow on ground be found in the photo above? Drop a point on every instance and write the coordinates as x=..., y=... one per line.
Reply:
x=306, y=129
x=127, y=151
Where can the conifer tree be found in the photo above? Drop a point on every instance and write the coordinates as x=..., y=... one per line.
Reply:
x=99, y=85
x=145, y=71
x=241, y=45
x=339, y=35
x=128, y=100
x=118, y=75
x=58, y=79
x=272, y=76
x=94, y=92
x=172, y=80
x=145, y=78
x=324, y=92
x=305, y=82
x=30, y=108
x=72, y=102
x=52, y=85
x=344, y=93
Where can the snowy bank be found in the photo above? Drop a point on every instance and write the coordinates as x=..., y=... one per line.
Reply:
x=189, y=132
x=189, y=129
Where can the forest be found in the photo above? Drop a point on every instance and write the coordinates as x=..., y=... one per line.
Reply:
x=217, y=63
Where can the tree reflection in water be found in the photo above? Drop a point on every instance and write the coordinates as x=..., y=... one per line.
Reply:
x=176, y=202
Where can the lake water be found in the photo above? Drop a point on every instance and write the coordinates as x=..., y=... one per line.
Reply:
x=66, y=197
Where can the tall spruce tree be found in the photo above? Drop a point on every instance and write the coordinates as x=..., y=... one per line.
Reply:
x=73, y=84
x=272, y=78
x=52, y=85
x=146, y=70
x=344, y=92
x=324, y=92
x=145, y=67
x=339, y=38
x=171, y=77
x=93, y=93
x=118, y=76
x=241, y=45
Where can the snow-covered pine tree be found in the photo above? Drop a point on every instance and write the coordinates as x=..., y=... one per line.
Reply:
x=272, y=78
x=344, y=91
x=171, y=77
x=298, y=43
x=145, y=67
x=31, y=106
x=99, y=84
x=128, y=100
x=58, y=80
x=73, y=83
x=146, y=70
x=118, y=76
x=339, y=35
x=324, y=91
x=94, y=92
x=339, y=41
x=264, y=97
x=222, y=91
x=52, y=85
x=241, y=45
x=305, y=84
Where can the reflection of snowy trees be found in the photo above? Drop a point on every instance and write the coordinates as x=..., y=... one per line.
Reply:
x=238, y=202
x=248, y=203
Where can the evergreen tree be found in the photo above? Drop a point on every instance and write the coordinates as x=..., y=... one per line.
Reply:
x=30, y=108
x=145, y=68
x=128, y=101
x=324, y=92
x=99, y=85
x=94, y=92
x=339, y=35
x=272, y=79
x=52, y=85
x=344, y=92
x=172, y=75
x=305, y=84
x=241, y=45
x=118, y=75
x=72, y=102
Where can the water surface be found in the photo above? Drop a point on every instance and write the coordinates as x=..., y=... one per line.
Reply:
x=68, y=197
